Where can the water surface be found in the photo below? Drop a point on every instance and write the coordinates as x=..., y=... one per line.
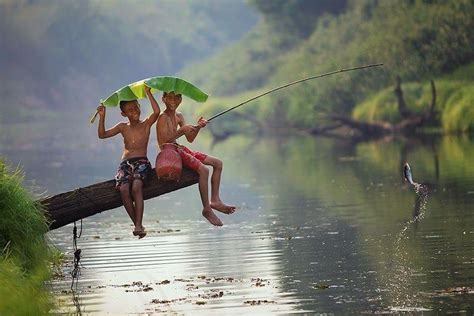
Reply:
x=322, y=226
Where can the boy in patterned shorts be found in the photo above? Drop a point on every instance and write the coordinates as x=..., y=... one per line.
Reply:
x=134, y=168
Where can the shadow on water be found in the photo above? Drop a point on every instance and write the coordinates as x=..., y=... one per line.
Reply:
x=323, y=225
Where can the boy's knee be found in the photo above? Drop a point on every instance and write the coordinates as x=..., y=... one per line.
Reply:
x=137, y=186
x=203, y=171
x=124, y=190
x=218, y=164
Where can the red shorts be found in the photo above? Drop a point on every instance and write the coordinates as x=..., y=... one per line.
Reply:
x=191, y=159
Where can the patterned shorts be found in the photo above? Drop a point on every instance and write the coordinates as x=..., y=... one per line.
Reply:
x=133, y=168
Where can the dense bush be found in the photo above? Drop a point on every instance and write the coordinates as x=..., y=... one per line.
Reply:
x=24, y=253
x=454, y=101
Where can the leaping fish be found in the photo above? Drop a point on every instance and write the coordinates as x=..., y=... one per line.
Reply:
x=407, y=173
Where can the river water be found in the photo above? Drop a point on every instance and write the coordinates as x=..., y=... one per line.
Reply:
x=322, y=225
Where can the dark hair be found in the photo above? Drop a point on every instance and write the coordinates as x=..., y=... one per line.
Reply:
x=166, y=93
x=124, y=102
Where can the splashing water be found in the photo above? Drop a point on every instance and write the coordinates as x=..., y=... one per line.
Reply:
x=402, y=268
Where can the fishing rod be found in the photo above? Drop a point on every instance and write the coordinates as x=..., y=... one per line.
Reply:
x=285, y=86
x=290, y=84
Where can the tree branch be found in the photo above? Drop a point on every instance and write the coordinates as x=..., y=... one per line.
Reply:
x=402, y=106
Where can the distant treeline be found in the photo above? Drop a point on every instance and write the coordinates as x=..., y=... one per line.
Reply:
x=63, y=54
x=418, y=40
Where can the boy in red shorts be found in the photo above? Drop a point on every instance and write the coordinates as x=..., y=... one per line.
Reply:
x=170, y=126
x=134, y=168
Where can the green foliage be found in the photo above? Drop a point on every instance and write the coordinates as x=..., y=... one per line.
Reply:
x=233, y=121
x=296, y=16
x=24, y=252
x=454, y=101
x=458, y=113
x=418, y=40
x=227, y=73
x=22, y=294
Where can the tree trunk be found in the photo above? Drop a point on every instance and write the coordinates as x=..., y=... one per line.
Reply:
x=402, y=106
x=80, y=203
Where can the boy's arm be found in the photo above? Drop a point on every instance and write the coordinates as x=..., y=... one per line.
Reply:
x=156, y=109
x=101, y=129
x=190, y=131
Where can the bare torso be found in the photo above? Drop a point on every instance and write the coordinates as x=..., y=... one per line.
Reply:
x=135, y=139
x=167, y=126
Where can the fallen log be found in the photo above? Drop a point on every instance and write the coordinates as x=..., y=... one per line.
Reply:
x=68, y=207
x=409, y=123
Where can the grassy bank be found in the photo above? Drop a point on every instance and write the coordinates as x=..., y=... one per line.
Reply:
x=454, y=101
x=416, y=40
x=25, y=254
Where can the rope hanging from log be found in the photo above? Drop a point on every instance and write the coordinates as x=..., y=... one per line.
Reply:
x=76, y=271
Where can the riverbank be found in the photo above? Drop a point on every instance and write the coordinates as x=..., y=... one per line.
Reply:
x=25, y=254
x=451, y=96
x=454, y=101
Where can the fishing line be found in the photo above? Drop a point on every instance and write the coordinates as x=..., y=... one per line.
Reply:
x=290, y=84
x=285, y=86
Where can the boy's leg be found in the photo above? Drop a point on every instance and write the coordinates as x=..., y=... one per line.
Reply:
x=137, y=194
x=204, y=191
x=127, y=200
x=216, y=202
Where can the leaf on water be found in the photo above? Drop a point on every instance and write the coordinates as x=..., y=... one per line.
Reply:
x=259, y=302
x=157, y=301
x=321, y=286
x=164, y=282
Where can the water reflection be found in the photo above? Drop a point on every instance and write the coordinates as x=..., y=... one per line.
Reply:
x=323, y=225
x=400, y=270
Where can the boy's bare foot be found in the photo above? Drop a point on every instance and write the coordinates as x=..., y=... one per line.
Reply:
x=222, y=207
x=140, y=232
x=211, y=217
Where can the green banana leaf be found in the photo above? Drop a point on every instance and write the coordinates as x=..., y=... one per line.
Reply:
x=136, y=90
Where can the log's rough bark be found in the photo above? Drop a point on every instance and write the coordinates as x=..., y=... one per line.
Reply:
x=80, y=203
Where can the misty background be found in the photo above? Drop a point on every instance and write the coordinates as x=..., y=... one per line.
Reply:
x=59, y=55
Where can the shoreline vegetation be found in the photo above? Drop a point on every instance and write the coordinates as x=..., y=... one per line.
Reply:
x=416, y=40
x=25, y=256
x=453, y=110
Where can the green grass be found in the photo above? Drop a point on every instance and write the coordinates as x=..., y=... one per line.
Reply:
x=24, y=252
x=454, y=101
